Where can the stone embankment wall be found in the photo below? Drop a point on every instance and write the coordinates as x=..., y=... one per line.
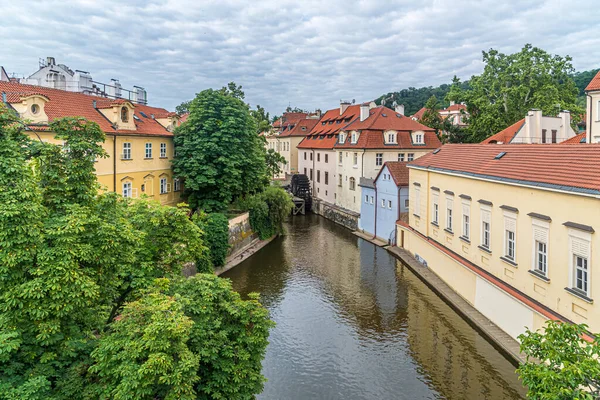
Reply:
x=339, y=215
x=240, y=233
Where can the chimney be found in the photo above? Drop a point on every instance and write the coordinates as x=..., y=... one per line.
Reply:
x=343, y=106
x=452, y=103
x=364, y=111
x=565, y=122
x=400, y=109
x=533, y=127
x=50, y=61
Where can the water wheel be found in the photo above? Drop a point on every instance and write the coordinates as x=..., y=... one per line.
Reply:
x=301, y=189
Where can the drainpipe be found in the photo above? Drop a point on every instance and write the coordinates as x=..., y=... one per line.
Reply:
x=115, y=163
x=589, y=128
x=313, y=168
x=362, y=164
x=375, y=218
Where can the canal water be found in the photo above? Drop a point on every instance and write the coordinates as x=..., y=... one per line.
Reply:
x=354, y=323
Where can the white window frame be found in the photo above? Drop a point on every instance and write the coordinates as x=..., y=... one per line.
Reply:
x=340, y=158
x=449, y=213
x=540, y=234
x=378, y=159
x=435, y=208
x=510, y=226
x=486, y=218
x=366, y=199
x=410, y=157
x=355, y=159
x=163, y=150
x=390, y=204
x=406, y=203
x=148, y=150
x=372, y=200
x=580, y=245
x=353, y=138
x=127, y=190
x=466, y=220
x=163, y=186
x=401, y=157
x=382, y=203
x=126, y=151
x=176, y=185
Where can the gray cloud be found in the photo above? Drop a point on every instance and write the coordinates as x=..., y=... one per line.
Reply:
x=308, y=54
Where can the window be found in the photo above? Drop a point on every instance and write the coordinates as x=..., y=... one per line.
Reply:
x=411, y=156
x=311, y=174
x=510, y=229
x=466, y=221
x=419, y=138
x=148, y=150
x=366, y=198
x=449, y=204
x=435, y=209
x=311, y=156
x=326, y=158
x=127, y=191
x=541, y=262
x=379, y=159
x=400, y=156
x=35, y=109
x=176, y=185
x=163, y=185
x=318, y=157
x=372, y=199
x=390, y=204
x=305, y=158
x=382, y=203
x=352, y=184
x=391, y=137
x=406, y=204
x=553, y=135
x=126, y=151
x=326, y=178
x=342, y=138
x=163, y=150
x=543, y=135
x=353, y=138
x=417, y=206
x=319, y=175
x=355, y=158
x=124, y=114
x=581, y=274
x=340, y=180
x=340, y=157
x=486, y=220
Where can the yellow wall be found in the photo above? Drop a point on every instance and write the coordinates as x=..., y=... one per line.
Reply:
x=139, y=170
x=560, y=207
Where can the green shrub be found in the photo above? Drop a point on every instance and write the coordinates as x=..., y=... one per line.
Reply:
x=268, y=210
x=216, y=235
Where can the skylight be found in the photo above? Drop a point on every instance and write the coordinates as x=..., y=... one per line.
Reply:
x=436, y=151
x=499, y=156
x=143, y=115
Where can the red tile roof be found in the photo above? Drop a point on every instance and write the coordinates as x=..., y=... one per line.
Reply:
x=571, y=168
x=579, y=138
x=383, y=118
x=398, y=170
x=324, y=133
x=72, y=104
x=594, y=83
x=301, y=127
x=419, y=114
x=506, y=135
x=456, y=107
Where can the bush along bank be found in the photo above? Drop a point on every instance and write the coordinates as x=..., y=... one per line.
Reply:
x=268, y=210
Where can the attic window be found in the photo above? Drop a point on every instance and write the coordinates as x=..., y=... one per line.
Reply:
x=136, y=117
x=303, y=128
x=499, y=156
x=124, y=114
x=35, y=109
x=383, y=115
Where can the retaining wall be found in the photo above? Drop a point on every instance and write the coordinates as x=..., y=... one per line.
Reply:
x=240, y=233
x=339, y=215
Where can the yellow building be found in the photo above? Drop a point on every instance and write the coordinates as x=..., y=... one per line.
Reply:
x=139, y=138
x=511, y=229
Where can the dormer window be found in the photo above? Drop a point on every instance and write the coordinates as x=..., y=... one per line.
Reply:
x=391, y=137
x=35, y=109
x=353, y=138
x=342, y=138
x=124, y=114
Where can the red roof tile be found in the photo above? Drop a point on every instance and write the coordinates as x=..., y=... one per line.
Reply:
x=398, y=170
x=383, y=118
x=456, y=107
x=594, y=83
x=506, y=135
x=72, y=104
x=301, y=127
x=573, y=167
x=324, y=134
x=419, y=114
x=579, y=138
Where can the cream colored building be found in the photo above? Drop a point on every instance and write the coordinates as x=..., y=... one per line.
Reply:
x=593, y=110
x=536, y=128
x=139, y=138
x=511, y=229
x=377, y=135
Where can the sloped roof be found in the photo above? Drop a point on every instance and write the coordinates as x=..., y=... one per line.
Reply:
x=398, y=171
x=419, y=114
x=455, y=107
x=72, y=104
x=301, y=127
x=569, y=168
x=324, y=134
x=594, y=83
x=383, y=118
x=506, y=135
x=579, y=138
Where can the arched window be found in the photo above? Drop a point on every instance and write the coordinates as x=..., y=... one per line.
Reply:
x=124, y=114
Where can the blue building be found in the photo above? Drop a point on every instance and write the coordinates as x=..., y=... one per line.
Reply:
x=384, y=201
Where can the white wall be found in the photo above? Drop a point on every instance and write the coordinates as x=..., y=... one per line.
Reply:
x=593, y=118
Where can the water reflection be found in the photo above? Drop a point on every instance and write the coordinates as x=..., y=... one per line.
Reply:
x=354, y=323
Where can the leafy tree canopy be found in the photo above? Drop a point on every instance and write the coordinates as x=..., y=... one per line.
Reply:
x=219, y=154
x=92, y=301
x=560, y=364
x=274, y=162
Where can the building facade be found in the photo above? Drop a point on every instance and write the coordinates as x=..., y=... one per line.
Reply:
x=593, y=110
x=536, y=128
x=139, y=138
x=516, y=239
x=384, y=201
x=378, y=135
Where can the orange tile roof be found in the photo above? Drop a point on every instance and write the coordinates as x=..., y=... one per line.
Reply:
x=324, y=134
x=568, y=168
x=383, y=118
x=72, y=104
x=455, y=107
x=301, y=127
x=398, y=170
x=579, y=138
x=594, y=83
x=419, y=114
x=506, y=135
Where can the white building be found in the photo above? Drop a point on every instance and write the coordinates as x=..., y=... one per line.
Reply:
x=593, y=110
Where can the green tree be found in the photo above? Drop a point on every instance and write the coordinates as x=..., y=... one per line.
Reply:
x=431, y=117
x=561, y=364
x=219, y=154
x=274, y=161
x=268, y=210
x=512, y=84
x=233, y=90
x=183, y=108
x=261, y=116
x=76, y=265
x=216, y=235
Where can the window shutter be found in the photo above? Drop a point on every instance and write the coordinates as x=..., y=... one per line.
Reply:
x=485, y=216
x=449, y=204
x=540, y=234
x=579, y=247
x=510, y=224
x=465, y=209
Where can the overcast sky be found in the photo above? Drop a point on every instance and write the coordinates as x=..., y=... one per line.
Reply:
x=308, y=54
